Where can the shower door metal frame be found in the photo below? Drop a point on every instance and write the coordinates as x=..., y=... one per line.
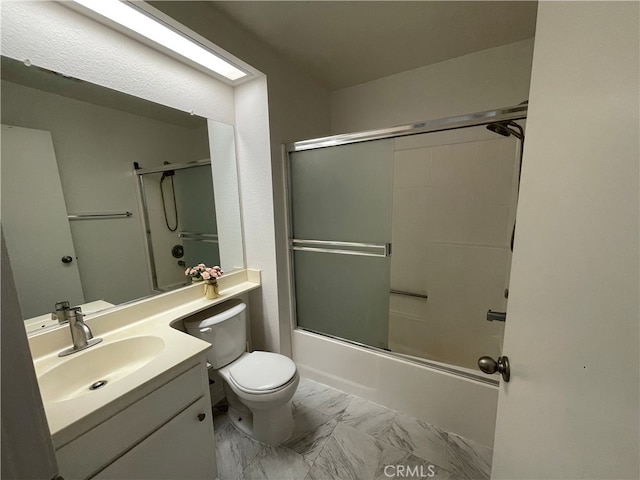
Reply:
x=518, y=112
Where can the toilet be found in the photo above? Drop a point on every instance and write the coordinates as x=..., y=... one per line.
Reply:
x=259, y=386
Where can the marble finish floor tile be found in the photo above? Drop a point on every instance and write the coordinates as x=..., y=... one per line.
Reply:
x=467, y=459
x=277, y=463
x=368, y=417
x=333, y=402
x=318, y=473
x=397, y=464
x=419, y=438
x=312, y=395
x=310, y=432
x=234, y=451
x=307, y=395
x=338, y=436
x=349, y=454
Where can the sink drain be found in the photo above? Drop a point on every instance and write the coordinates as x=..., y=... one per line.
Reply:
x=98, y=384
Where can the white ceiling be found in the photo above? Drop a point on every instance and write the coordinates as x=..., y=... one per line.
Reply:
x=344, y=43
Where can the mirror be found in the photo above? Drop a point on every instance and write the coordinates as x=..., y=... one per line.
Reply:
x=82, y=223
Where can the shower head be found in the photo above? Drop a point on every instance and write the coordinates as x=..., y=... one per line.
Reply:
x=499, y=129
x=167, y=173
x=504, y=129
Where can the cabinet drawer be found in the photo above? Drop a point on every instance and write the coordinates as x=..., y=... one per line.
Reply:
x=95, y=449
x=182, y=449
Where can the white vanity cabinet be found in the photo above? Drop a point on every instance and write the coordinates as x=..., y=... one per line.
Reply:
x=165, y=434
x=180, y=449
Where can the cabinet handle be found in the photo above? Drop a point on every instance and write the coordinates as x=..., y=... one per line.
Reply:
x=202, y=416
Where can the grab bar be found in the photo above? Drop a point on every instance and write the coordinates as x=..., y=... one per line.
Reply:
x=408, y=294
x=98, y=216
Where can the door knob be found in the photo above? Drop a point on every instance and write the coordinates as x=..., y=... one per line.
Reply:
x=490, y=366
x=67, y=259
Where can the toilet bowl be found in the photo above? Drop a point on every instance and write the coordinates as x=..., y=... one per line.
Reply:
x=261, y=409
x=259, y=385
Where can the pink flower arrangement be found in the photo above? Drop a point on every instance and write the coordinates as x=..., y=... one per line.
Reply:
x=201, y=271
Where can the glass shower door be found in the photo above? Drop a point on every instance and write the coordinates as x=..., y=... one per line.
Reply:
x=341, y=206
x=197, y=213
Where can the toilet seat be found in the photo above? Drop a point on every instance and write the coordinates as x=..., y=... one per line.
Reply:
x=262, y=372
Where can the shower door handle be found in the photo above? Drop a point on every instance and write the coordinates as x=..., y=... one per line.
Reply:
x=490, y=366
x=342, y=248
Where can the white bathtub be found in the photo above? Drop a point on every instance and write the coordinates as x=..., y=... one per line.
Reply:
x=453, y=402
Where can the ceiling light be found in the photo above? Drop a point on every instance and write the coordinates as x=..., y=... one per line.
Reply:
x=148, y=27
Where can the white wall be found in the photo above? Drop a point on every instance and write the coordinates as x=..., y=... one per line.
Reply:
x=571, y=409
x=485, y=80
x=95, y=149
x=254, y=169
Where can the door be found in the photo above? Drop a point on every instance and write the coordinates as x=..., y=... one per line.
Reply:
x=44, y=272
x=341, y=205
x=197, y=212
x=571, y=407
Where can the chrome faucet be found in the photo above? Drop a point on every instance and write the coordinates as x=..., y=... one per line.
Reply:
x=80, y=332
x=61, y=311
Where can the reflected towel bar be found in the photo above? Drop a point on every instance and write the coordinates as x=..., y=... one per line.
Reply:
x=98, y=216
x=408, y=294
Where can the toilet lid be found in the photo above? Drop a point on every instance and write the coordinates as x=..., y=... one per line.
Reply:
x=261, y=371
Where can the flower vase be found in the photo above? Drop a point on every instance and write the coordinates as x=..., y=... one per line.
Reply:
x=211, y=289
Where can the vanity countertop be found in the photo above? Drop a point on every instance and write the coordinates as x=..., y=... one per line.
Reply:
x=71, y=414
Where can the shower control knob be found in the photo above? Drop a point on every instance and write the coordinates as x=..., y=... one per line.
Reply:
x=490, y=366
x=67, y=259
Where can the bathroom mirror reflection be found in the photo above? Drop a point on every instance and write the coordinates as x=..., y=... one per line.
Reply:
x=73, y=204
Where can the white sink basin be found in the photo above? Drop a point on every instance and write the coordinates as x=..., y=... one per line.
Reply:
x=106, y=363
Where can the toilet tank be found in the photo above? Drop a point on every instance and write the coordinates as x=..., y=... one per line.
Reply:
x=225, y=328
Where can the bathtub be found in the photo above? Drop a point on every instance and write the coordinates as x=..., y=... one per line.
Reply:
x=457, y=400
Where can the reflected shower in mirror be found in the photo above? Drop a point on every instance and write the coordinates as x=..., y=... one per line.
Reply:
x=179, y=212
x=72, y=207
